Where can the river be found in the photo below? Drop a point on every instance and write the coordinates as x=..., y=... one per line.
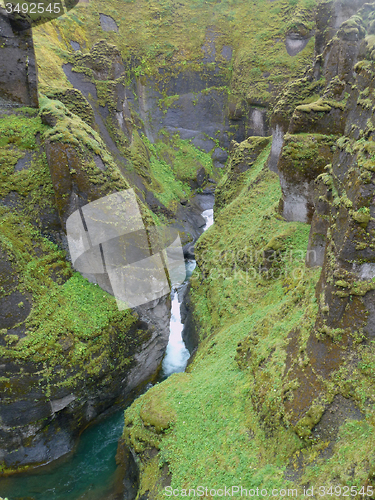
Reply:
x=90, y=473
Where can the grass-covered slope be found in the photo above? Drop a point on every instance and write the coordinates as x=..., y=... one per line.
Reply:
x=280, y=393
x=246, y=306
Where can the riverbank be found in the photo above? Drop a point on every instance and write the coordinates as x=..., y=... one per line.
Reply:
x=91, y=471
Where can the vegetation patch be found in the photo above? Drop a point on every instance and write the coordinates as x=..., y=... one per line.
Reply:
x=221, y=408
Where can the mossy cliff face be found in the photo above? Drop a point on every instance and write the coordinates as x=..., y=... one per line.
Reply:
x=280, y=392
x=67, y=352
x=167, y=77
x=165, y=173
x=302, y=159
x=338, y=42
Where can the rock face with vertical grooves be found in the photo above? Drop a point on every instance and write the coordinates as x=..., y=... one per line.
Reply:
x=338, y=187
x=57, y=375
x=311, y=382
x=18, y=71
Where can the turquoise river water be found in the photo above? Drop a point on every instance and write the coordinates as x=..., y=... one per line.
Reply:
x=90, y=472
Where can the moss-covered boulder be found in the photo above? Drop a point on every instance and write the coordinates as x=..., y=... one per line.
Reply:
x=145, y=424
x=242, y=158
x=302, y=159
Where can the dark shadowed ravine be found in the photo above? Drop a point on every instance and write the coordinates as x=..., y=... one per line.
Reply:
x=91, y=472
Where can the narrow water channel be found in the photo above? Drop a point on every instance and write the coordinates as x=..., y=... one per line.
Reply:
x=90, y=473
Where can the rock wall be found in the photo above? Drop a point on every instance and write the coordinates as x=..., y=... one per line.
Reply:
x=284, y=369
x=18, y=70
x=67, y=353
x=345, y=203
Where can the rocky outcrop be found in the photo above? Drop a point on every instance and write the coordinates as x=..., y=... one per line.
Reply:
x=345, y=287
x=67, y=353
x=18, y=70
x=302, y=159
x=243, y=157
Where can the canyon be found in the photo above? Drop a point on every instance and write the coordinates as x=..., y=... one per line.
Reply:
x=180, y=102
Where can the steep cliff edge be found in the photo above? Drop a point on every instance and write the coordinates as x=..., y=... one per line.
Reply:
x=280, y=393
x=67, y=352
x=172, y=77
x=118, y=110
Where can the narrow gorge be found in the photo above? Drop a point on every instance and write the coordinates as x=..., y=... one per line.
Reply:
x=264, y=108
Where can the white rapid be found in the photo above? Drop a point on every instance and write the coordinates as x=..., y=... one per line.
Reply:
x=208, y=215
x=176, y=356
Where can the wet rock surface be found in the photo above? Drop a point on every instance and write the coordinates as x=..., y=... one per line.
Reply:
x=18, y=71
x=333, y=192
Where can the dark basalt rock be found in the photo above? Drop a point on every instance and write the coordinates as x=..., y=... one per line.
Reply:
x=189, y=252
x=329, y=18
x=18, y=71
x=72, y=185
x=302, y=159
x=129, y=471
x=342, y=227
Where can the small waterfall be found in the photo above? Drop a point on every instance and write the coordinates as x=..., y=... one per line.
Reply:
x=177, y=355
x=208, y=215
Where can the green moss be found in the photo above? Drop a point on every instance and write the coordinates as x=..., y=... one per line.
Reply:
x=217, y=404
x=32, y=183
x=362, y=216
x=75, y=102
x=168, y=102
x=297, y=93
x=156, y=412
x=360, y=288
x=20, y=130
x=69, y=128
x=159, y=40
x=353, y=451
x=248, y=155
x=170, y=167
x=305, y=425
x=70, y=324
x=318, y=106
x=306, y=155
x=74, y=331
